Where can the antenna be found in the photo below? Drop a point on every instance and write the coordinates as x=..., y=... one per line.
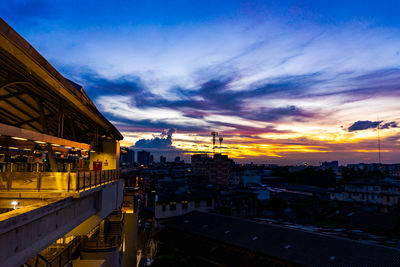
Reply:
x=220, y=144
x=379, y=144
x=214, y=134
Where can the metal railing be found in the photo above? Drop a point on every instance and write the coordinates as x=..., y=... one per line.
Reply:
x=63, y=257
x=85, y=180
x=100, y=243
x=55, y=181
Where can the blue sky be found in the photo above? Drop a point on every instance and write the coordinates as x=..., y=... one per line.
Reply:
x=282, y=81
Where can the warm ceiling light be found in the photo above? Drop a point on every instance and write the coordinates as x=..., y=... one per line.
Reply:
x=55, y=145
x=68, y=147
x=39, y=142
x=92, y=151
x=12, y=147
x=57, y=152
x=19, y=138
x=29, y=149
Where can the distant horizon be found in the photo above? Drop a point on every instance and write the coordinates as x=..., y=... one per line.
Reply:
x=186, y=157
x=282, y=82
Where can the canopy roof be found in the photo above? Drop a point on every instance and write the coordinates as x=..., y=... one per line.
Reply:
x=35, y=96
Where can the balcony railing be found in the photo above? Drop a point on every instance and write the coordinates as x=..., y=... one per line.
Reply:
x=108, y=242
x=55, y=181
x=63, y=256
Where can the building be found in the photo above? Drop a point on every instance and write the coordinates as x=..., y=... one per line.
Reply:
x=384, y=193
x=250, y=178
x=163, y=159
x=333, y=165
x=209, y=239
x=219, y=169
x=171, y=205
x=237, y=202
x=127, y=157
x=59, y=179
x=143, y=157
x=215, y=170
x=200, y=165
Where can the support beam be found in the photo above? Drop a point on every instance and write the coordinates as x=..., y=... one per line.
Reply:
x=52, y=160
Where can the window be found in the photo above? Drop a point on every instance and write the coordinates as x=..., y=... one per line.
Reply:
x=209, y=202
x=184, y=205
x=164, y=207
x=197, y=203
x=172, y=206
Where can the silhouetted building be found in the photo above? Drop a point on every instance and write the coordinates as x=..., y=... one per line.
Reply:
x=200, y=163
x=333, y=165
x=143, y=157
x=219, y=169
x=127, y=157
x=163, y=159
x=216, y=170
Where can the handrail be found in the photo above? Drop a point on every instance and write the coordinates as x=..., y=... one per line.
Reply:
x=101, y=243
x=56, y=181
x=61, y=259
x=88, y=179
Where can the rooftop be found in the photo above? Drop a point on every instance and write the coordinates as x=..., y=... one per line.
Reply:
x=290, y=245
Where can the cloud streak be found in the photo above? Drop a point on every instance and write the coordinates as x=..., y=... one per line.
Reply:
x=274, y=85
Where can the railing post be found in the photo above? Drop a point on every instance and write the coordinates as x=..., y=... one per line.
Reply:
x=77, y=181
x=69, y=181
x=8, y=181
x=39, y=181
x=90, y=179
x=84, y=181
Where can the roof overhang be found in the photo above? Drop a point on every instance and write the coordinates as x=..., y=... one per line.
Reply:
x=21, y=50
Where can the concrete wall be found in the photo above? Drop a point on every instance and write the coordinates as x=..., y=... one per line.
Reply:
x=111, y=197
x=160, y=214
x=111, y=257
x=109, y=157
x=27, y=231
x=26, y=234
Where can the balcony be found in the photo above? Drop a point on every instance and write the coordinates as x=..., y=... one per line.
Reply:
x=55, y=181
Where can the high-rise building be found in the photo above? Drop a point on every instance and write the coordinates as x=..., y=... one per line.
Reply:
x=127, y=157
x=143, y=157
x=163, y=159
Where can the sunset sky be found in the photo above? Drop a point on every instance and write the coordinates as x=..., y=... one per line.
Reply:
x=282, y=81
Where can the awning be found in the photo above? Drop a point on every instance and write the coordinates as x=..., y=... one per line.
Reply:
x=85, y=227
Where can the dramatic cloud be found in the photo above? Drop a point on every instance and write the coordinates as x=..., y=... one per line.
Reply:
x=389, y=125
x=363, y=125
x=157, y=142
x=280, y=82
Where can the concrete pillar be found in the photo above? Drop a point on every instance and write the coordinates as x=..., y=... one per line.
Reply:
x=52, y=160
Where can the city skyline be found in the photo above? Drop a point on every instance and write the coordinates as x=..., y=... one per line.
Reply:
x=298, y=81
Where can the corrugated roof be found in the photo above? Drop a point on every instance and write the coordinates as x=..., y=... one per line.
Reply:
x=294, y=246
